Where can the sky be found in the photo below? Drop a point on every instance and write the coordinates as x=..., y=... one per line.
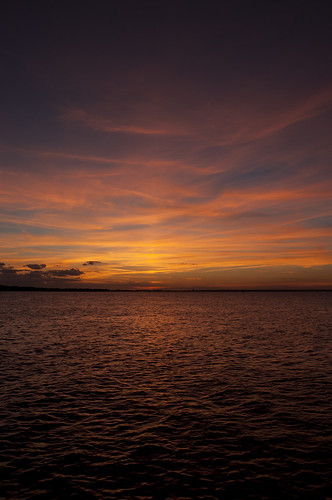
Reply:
x=171, y=145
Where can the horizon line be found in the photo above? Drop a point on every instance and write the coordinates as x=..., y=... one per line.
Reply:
x=13, y=288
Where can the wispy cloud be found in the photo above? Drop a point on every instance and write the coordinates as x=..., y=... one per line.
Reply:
x=203, y=198
x=102, y=124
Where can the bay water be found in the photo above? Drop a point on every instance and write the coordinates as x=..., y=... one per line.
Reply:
x=165, y=395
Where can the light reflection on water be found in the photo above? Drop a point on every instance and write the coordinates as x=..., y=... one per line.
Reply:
x=165, y=395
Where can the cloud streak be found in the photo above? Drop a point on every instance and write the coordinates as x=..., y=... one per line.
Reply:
x=99, y=123
x=201, y=159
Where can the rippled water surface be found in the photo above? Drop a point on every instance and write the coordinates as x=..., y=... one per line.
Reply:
x=161, y=395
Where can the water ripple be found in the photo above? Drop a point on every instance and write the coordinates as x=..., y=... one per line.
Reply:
x=165, y=395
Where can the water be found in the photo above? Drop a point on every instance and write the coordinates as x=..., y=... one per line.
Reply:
x=153, y=395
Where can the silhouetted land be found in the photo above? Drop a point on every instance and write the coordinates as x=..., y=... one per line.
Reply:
x=6, y=288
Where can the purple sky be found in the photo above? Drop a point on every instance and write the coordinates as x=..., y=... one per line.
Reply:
x=166, y=144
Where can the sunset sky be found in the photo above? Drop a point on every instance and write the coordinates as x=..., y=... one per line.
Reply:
x=161, y=144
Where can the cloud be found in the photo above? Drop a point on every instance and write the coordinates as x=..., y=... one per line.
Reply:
x=38, y=270
x=258, y=127
x=65, y=272
x=96, y=122
x=36, y=266
x=37, y=276
x=91, y=262
x=7, y=269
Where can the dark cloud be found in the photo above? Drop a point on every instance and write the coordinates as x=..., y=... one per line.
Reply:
x=2, y=264
x=36, y=266
x=7, y=269
x=38, y=276
x=65, y=272
x=91, y=262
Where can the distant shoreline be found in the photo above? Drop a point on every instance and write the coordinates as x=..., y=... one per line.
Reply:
x=7, y=288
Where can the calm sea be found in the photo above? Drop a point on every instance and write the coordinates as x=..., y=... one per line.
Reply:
x=156, y=395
